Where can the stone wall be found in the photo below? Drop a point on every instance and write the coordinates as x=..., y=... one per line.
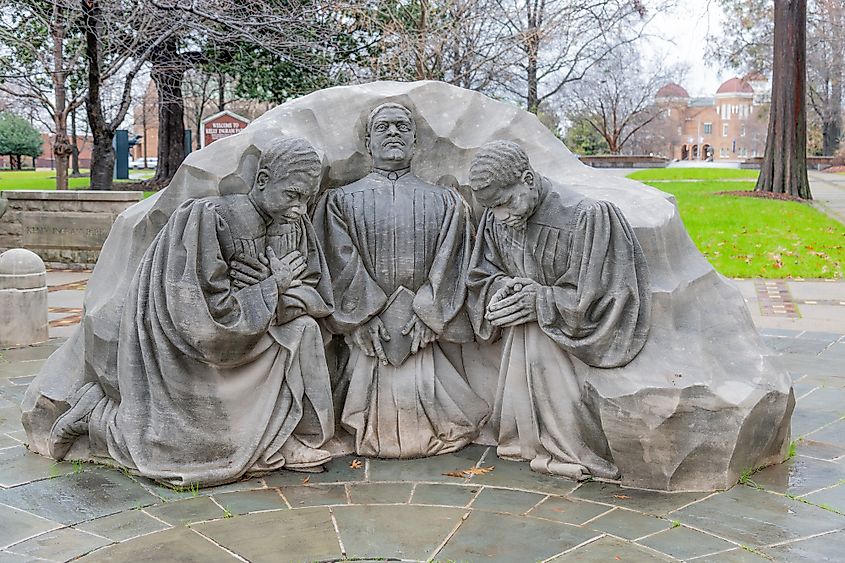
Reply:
x=624, y=161
x=65, y=228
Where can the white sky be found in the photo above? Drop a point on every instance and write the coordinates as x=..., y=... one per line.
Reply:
x=685, y=30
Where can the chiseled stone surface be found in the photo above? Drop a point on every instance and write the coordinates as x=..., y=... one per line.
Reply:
x=698, y=405
x=75, y=508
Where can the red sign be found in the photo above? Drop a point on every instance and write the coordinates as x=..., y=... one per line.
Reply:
x=220, y=125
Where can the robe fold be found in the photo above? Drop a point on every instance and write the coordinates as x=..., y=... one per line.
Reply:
x=593, y=306
x=211, y=381
x=381, y=235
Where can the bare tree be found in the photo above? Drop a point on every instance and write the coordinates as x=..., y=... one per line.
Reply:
x=120, y=36
x=559, y=41
x=456, y=41
x=617, y=97
x=38, y=66
x=825, y=49
x=747, y=40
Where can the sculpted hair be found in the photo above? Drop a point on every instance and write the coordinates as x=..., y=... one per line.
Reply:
x=389, y=105
x=289, y=156
x=499, y=163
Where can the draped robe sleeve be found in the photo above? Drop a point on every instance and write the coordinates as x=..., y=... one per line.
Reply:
x=595, y=303
x=192, y=296
x=358, y=296
x=440, y=299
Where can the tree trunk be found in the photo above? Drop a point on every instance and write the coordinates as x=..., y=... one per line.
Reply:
x=167, y=72
x=421, y=40
x=221, y=94
x=61, y=144
x=534, y=20
x=102, y=152
x=784, y=167
x=74, y=142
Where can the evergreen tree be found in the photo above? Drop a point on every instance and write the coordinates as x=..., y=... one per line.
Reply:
x=18, y=138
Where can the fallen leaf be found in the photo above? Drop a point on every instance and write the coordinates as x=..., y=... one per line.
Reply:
x=466, y=473
x=356, y=464
x=480, y=470
x=621, y=497
x=306, y=480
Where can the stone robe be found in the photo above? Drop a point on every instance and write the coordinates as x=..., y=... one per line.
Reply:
x=211, y=381
x=593, y=307
x=382, y=234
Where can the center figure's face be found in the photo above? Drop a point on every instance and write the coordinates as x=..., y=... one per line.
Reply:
x=391, y=139
x=285, y=199
x=513, y=205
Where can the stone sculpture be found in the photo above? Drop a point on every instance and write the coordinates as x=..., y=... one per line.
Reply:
x=699, y=403
x=220, y=357
x=397, y=249
x=560, y=275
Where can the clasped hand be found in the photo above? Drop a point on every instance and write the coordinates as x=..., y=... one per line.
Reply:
x=247, y=270
x=514, y=304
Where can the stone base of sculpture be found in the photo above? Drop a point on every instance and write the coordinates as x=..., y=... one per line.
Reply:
x=699, y=403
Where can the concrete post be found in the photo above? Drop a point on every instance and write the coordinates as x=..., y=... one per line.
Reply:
x=23, y=298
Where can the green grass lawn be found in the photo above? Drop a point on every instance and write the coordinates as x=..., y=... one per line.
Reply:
x=748, y=237
x=692, y=174
x=46, y=180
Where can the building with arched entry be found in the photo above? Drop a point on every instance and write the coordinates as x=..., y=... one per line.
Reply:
x=729, y=126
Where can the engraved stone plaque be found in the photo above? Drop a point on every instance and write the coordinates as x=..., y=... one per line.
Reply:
x=78, y=231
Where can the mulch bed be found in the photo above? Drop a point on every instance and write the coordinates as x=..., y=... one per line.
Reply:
x=764, y=195
x=834, y=169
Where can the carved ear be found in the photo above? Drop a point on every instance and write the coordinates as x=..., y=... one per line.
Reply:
x=262, y=178
x=528, y=177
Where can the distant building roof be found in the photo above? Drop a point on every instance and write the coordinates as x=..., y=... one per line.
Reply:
x=672, y=90
x=735, y=85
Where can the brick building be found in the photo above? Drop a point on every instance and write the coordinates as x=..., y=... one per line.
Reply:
x=729, y=126
x=46, y=158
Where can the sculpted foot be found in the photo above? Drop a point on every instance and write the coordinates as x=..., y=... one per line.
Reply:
x=74, y=423
x=299, y=457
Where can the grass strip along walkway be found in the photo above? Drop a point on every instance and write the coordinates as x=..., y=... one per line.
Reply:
x=746, y=237
x=46, y=180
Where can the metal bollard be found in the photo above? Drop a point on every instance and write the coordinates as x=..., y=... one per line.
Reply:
x=23, y=298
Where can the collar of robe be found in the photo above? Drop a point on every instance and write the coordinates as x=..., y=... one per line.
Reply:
x=392, y=175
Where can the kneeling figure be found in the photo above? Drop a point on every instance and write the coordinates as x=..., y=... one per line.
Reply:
x=220, y=368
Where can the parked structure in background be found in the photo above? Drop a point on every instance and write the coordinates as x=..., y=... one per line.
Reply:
x=729, y=126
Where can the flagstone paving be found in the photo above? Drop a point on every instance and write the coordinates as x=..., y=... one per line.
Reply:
x=416, y=511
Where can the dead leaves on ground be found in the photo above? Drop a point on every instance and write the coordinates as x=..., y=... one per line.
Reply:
x=356, y=464
x=467, y=473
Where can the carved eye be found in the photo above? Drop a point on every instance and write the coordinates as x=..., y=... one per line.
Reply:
x=381, y=127
x=404, y=127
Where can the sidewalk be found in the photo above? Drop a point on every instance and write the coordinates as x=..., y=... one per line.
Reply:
x=422, y=510
x=829, y=193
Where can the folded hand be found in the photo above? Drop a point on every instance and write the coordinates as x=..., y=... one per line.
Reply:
x=514, y=304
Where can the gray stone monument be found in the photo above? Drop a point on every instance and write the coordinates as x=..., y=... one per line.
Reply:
x=23, y=298
x=653, y=354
